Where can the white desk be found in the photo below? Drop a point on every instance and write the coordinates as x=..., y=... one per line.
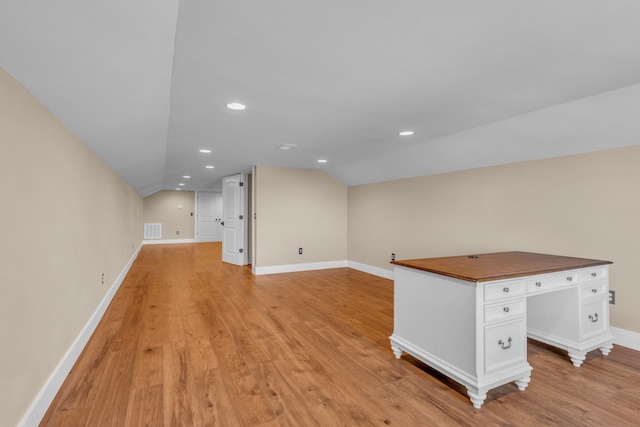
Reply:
x=469, y=316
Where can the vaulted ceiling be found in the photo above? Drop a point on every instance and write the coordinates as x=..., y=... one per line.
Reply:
x=145, y=83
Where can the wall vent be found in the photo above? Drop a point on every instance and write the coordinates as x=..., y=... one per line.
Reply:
x=153, y=231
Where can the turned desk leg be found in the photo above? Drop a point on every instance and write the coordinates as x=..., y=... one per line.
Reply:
x=577, y=357
x=606, y=349
x=477, y=399
x=523, y=382
x=397, y=351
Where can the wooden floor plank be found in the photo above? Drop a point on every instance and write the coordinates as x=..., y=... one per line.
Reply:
x=112, y=395
x=179, y=408
x=191, y=341
x=147, y=371
x=214, y=400
x=146, y=407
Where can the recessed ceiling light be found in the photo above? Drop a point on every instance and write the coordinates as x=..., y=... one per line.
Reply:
x=204, y=150
x=236, y=106
x=186, y=176
x=209, y=167
x=322, y=161
x=178, y=189
x=406, y=133
x=182, y=183
x=286, y=146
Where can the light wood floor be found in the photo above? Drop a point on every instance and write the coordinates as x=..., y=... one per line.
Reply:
x=189, y=341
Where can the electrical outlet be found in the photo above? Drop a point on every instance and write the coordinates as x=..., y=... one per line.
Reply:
x=393, y=257
x=299, y=251
x=102, y=278
x=177, y=232
x=612, y=297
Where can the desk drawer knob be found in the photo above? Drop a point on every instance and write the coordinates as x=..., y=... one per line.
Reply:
x=506, y=309
x=538, y=284
x=594, y=318
x=505, y=290
x=502, y=344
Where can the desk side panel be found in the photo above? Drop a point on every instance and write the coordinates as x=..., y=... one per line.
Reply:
x=437, y=314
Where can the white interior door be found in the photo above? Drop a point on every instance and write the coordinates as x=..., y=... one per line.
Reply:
x=234, y=234
x=209, y=216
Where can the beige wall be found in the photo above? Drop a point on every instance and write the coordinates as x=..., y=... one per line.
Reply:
x=583, y=205
x=66, y=219
x=299, y=208
x=175, y=210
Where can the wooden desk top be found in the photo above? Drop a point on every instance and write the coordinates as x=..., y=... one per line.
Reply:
x=496, y=266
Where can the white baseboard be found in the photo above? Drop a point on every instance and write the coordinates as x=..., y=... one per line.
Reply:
x=376, y=271
x=48, y=392
x=625, y=338
x=274, y=269
x=290, y=268
x=167, y=241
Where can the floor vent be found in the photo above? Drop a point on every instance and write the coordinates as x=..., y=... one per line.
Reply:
x=153, y=231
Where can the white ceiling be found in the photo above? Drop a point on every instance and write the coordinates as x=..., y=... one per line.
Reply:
x=145, y=83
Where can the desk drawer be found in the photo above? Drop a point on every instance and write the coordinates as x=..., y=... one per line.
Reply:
x=593, y=289
x=549, y=282
x=504, y=310
x=505, y=344
x=503, y=290
x=594, y=319
x=594, y=273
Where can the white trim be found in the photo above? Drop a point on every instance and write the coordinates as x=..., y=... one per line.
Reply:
x=376, y=271
x=42, y=401
x=274, y=269
x=195, y=215
x=167, y=241
x=252, y=219
x=625, y=338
